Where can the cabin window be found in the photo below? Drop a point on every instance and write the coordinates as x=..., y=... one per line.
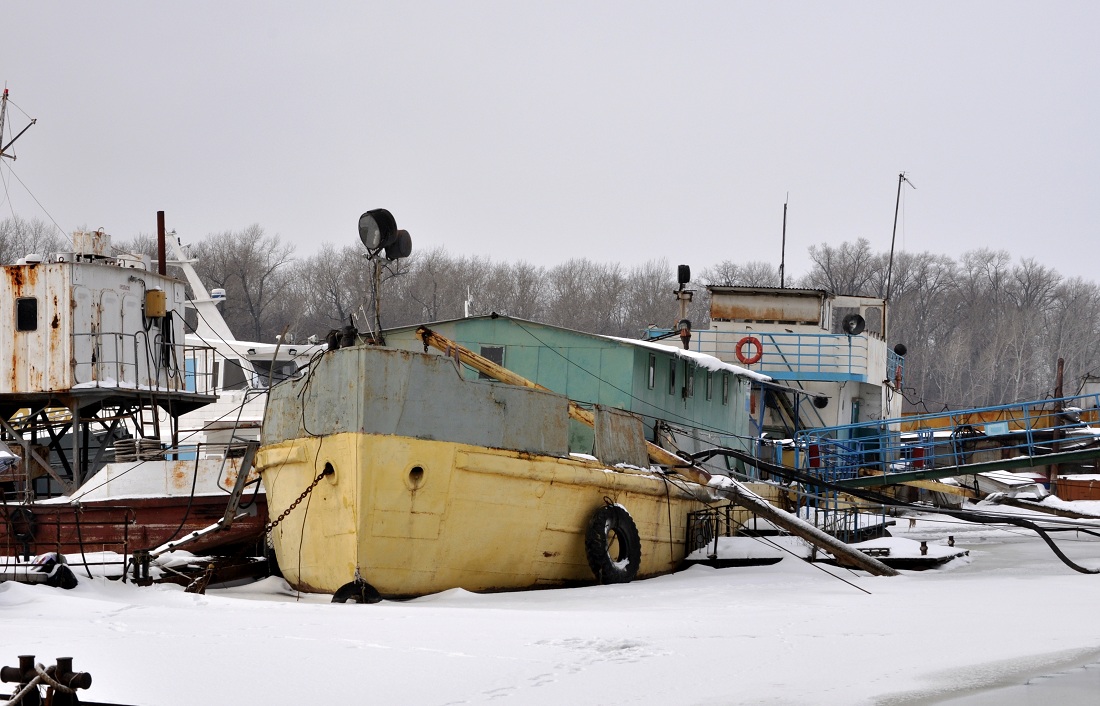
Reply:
x=672, y=377
x=689, y=380
x=26, y=314
x=652, y=370
x=710, y=384
x=276, y=371
x=495, y=354
x=234, y=378
x=725, y=388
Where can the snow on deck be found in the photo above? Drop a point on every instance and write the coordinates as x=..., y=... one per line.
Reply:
x=703, y=360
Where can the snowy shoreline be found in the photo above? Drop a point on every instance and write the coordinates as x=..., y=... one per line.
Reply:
x=780, y=634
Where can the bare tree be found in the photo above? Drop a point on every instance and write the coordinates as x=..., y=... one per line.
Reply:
x=849, y=268
x=20, y=237
x=750, y=274
x=253, y=268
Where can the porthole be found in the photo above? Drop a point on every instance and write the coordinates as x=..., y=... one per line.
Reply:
x=415, y=478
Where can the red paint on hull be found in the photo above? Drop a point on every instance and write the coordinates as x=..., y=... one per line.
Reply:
x=125, y=525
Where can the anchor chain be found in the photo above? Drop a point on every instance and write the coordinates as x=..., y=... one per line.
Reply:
x=271, y=525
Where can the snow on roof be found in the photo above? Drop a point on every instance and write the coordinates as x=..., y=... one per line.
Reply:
x=703, y=360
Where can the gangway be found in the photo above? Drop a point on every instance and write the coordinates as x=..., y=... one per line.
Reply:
x=1051, y=432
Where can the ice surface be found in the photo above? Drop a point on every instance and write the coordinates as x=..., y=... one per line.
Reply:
x=782, y=634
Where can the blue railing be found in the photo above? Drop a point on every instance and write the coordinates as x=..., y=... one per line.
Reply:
x=794, y=356
x=948, y=439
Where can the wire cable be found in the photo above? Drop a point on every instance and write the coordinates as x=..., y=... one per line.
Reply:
x=59, y=228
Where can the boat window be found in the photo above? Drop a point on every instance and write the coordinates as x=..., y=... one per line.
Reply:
x=710, y=383
x=234, y=378
x=652, y=370
x=26, y=314
x=873, y=316
x=689, y=380
x=495, y=354
x=281, y=370
x=672, y=376
x=725, y=388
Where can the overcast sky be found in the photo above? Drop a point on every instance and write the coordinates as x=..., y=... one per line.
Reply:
x=539, y=132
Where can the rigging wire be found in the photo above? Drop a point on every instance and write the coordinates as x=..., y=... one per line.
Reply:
x=67, y=237
x=979, y=517
x=7, y=197
x=817, y=566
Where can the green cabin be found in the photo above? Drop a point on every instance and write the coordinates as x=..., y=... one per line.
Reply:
x=692, y=400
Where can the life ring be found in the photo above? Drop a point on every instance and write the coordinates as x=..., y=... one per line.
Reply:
x=749, y=360
x=612, y=545
x=23, y=524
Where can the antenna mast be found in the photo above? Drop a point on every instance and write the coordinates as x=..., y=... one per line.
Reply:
x=783, y=247
x=3, y=116
x=894, y=235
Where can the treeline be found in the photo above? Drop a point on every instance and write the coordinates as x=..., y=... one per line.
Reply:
x=980, y=329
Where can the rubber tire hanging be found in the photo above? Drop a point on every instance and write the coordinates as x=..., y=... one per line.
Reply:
x=23, y=524
x=613, y=522
x=357, y=592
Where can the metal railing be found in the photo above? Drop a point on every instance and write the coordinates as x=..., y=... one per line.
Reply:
x=1003, y=433
x=845, y=521
x=35, y=529
x=138, y=361
x=795, y=356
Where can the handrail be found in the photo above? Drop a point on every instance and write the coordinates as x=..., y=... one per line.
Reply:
x=124, y=360
x=1028, y=430
x=800, y=355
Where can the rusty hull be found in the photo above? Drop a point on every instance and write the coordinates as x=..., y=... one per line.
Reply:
x=126, y=525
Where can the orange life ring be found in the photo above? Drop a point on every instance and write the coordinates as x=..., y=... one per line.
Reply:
x=755, y=357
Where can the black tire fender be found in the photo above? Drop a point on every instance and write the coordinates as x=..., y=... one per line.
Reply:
x=62, y=577
x=23, y=524
x=612, y=531
x=357, y=592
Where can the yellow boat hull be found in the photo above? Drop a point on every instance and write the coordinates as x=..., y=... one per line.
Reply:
x=417, y=516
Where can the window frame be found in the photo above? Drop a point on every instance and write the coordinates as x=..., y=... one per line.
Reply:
x=26, y=314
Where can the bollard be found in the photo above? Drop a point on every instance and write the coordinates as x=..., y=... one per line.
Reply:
x=141, y=561
x=924, y=548
x=950, y=540
x=64, y=674
x=61, y=673
x=23, y=675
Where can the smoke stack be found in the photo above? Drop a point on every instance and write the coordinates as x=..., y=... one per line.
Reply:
x=162, y=260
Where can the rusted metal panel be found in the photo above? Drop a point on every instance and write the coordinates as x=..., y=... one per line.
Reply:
x=620, y=437
x=124, y=525
x=94, y=242
x=1078, y=489
x=85, y=327
x=387, y=391
x=795, y=307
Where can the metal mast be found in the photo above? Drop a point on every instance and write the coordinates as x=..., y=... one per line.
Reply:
x=3, y=116
x=894, y=235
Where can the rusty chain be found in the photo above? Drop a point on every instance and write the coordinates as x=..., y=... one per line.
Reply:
x=271, y=525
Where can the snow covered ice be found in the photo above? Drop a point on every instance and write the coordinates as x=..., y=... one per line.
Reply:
x=781, y=634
